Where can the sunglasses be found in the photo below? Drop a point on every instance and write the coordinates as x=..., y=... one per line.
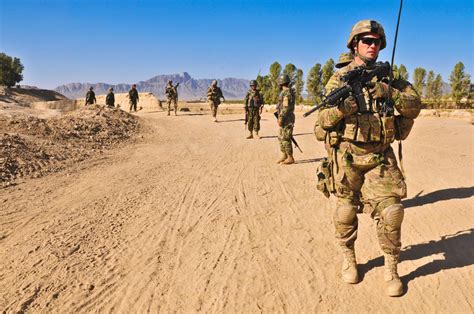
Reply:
x=370, y=41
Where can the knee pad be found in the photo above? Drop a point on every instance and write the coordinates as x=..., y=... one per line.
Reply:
x=346, y=214
x=393, y=215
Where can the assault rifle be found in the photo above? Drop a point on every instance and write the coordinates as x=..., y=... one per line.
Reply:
x=355, y=80
x=292, y=138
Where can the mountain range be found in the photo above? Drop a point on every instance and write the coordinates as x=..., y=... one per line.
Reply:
x=189, y=88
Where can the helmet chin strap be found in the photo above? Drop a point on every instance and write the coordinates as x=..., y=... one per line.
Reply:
x=367, y=61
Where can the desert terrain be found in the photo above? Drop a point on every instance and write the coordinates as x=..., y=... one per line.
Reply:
x=186, y=215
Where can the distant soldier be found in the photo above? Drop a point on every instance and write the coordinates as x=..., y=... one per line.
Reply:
x=214, y=95
x=90, y=97
x=133, y=97
x=171, y=93
x=286, y=120
x=344, y=59
x=253, y=109
x=110, y=98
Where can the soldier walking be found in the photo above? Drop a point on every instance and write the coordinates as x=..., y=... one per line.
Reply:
x=365, y=173
x=110, y=98
x=90, y=97
x=214, y=95
x=171, y=93
x=253, y=109
x=133, y=98
x=286, y=120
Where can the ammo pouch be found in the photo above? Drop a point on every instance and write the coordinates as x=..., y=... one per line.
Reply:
x=325, y=177
x=319, y=132
x=388, y=129
x=403, y=127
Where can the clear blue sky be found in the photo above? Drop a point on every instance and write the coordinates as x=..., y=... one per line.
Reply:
x=113, y=41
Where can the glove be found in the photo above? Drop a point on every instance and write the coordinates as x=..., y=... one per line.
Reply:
x=378, y=90
x=348, y=107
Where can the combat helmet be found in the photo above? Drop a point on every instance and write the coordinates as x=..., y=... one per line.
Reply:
x=344, y=59
x=367, y=26
x=214, y=83
x=284, y=79
x=253, y=83
x=170, y=82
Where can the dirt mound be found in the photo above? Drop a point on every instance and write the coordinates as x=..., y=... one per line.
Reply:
x=32, y=147
x=25, y=96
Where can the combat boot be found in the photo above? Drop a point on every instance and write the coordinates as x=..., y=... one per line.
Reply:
x=349, y=272
x=289, y=160
x=393, y=284
x=256, y=135
x=282, y=159
x=250, y=135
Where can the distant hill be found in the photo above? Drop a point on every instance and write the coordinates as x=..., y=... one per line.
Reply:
x=189, y=88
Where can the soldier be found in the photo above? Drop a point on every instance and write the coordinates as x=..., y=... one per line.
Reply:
x=133, y=97
x=286, y=120
x=364, y=168
x=214, y=95
x=90, y=97
x=344, y=59
x=110, y=98
x=171, y=93
x=253, y=109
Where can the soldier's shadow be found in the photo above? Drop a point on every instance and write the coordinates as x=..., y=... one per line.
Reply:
x=441, y=195
x=456, y=249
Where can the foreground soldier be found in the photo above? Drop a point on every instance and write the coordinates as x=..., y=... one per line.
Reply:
x=344, y=59
x=214, y=95
x=110, y=98
x=90, y=97
x=364, y=169
x=171, y=93
x=286, y=120
x=133, y=98
x=253, y=109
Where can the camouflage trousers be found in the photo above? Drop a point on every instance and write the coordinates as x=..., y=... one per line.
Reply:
x=284, y=137
x=133, y=105
x=374, y=182
x=253, y=119
x=213, y=105
x=173, y=101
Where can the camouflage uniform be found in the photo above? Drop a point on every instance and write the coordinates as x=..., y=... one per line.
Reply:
x=365, y=169
x=90, y=97
x=214, y=95
x=365, y=174
x=133, y=99
x=286, y=120
x=110, y=99
x=253, y=105
x=171, y=93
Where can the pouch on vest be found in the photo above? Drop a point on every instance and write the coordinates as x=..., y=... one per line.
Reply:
x=388, y=126
x=403, y=127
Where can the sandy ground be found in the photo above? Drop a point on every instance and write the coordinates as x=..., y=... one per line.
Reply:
x=194, y=217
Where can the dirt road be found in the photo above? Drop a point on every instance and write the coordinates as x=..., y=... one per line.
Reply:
x=194, y=217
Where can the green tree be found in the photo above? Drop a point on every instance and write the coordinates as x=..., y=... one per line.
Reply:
x=402, y=71
x=11, y=70
x=430, y=85
x=314, y=85
x=460, y=82
x=265, y=87
x=275, y=71
x=438, y=87
x=299, y=86
x=419, y=77
x=327, y=72
x=290, y=70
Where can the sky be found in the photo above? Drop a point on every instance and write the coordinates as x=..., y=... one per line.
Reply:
x=118, y=41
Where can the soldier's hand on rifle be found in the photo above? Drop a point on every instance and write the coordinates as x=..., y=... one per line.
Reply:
x=378, y=90
x=349, y=106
